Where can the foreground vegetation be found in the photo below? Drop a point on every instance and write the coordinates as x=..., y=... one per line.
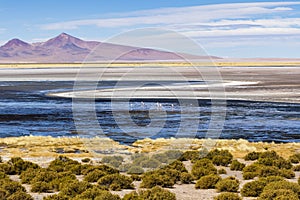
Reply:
x=269, y=176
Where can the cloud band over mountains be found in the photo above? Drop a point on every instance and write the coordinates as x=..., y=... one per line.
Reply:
x=217, y=20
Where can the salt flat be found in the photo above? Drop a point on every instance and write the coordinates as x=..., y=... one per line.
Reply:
x=263, y=83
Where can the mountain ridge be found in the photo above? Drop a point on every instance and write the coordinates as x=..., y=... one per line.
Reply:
x=67, y=48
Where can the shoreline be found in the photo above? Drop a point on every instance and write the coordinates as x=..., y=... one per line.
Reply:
x=157, y=63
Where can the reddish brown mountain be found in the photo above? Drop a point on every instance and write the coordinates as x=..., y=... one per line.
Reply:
x=68, y=49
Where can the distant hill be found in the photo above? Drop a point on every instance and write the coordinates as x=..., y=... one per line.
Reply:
x=68, y=49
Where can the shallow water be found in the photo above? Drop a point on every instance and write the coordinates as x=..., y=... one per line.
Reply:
x=25, y=109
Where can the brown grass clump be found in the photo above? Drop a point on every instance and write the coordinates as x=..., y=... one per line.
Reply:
x=203, y=167
x=154, y=193
x=208, y=181
x=229, y=184
x=228, y=196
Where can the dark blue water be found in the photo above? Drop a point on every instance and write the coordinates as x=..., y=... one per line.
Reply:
x=25, y=109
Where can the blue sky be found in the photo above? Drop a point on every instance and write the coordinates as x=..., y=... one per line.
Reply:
x=226, y=28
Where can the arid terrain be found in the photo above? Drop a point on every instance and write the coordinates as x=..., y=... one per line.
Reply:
x=42, y=150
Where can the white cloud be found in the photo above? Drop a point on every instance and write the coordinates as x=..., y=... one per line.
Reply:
x=182, y=15
x=252, y=31
x=2, y=30
x=213, y=26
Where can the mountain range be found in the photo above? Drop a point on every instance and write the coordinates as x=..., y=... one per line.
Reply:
x=68, y=49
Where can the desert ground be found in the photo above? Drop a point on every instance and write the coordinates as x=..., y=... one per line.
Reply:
x=42, y=150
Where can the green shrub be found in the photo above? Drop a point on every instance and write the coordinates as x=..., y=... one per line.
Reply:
x=280, y=185
x=138, y=160
x=270, y=179
x=56, y=197
x=157, y=193
x=75, y=188
x=63, y=178
x=44, y=176
x=94, y=176
x=131, y=196
x=161, y=157
x=160, y=177
x=135, y=170
x=249, y=175
x=253, y=188
x=18, y=165
x=150, y=163
x=125, y=167
x=221, y=160
x=222, y=171
x=108, y=196
x=266, y=161
x=136, y=177
x=252, y=156
x=287, y=173
x=85, y=169
x=173, y=154
x=203, y=167
x=96, y=193
x=165, y=177
x=176, y=165
x=260, y=170
x=251, y=171
x=3, y=175
x=86, y=160
x=137, y=155
x=107, y=169
x=7, y=169
x=265, y=171
x=237, y=166
x=269, y=154
x=295, y=158
x=3, y=194
x=116, y=182
x=20, y=196
x=64, y=164
x=228, y=196
x=229, y=184
x=281, y=194
x=190, y=155
x=281, y=163
x=28, y=175
x=296, y=168
x=114, y=161
x=220, y=157
x=208, y=181
x=186, y=178
x=41, y=187
x=12, y=187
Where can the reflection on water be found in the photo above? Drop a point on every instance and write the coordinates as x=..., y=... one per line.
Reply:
x=25, y=110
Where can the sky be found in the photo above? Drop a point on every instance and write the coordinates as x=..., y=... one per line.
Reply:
x=226, y=28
